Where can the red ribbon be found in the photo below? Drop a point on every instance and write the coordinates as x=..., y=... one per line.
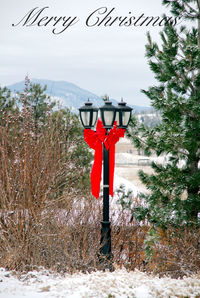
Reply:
x=110, y=141
x=95, y=139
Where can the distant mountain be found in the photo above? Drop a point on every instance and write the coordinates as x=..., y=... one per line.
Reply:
x=68, y=94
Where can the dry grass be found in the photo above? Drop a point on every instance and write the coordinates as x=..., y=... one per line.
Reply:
x=54, y=242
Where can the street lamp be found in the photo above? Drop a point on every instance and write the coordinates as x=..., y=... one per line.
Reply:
x=109, y=114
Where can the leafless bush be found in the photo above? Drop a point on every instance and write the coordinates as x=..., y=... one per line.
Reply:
x=176, y=252
x=39, y=175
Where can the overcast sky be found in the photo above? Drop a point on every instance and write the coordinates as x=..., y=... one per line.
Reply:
x=104, y=60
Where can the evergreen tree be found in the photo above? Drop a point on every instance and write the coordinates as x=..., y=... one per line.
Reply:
x=7, y=104
x=105, y=97
x=37, y=101
x=174, y=196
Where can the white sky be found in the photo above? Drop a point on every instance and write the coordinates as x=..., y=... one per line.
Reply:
x=103, y=60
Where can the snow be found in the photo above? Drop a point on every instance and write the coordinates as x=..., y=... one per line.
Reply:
x=124, y=141
x=118, y=284
x=130, y=159
x=118, y=180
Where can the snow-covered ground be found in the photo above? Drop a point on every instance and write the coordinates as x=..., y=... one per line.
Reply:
x=118, y=284
x=129, y=159
x=119, y=180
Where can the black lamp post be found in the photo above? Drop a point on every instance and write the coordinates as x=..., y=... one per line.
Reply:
x=109, y=113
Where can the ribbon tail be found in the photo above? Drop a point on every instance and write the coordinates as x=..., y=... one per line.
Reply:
x=96, y=171
x=111, y=168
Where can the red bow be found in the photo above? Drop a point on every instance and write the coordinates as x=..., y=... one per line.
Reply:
x=95, y=140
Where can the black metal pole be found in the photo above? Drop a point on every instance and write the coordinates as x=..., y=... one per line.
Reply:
x=105, y=248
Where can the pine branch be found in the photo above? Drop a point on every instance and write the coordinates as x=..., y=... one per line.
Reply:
x=198, y=4
x=192, y=9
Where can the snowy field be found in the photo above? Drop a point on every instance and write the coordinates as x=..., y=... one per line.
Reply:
x=118, y=284
x=131, y=159
x=119, y=180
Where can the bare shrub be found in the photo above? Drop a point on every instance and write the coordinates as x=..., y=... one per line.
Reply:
x=176, y=252
x=40, y=174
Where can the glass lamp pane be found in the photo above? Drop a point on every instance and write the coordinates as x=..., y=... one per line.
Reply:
x=94, y=117
x=125, y=118
x=108, y=117
x=117, y=118
x=85, y=118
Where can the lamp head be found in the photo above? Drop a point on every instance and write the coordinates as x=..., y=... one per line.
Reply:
x=123, y=114
x=88, y=115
